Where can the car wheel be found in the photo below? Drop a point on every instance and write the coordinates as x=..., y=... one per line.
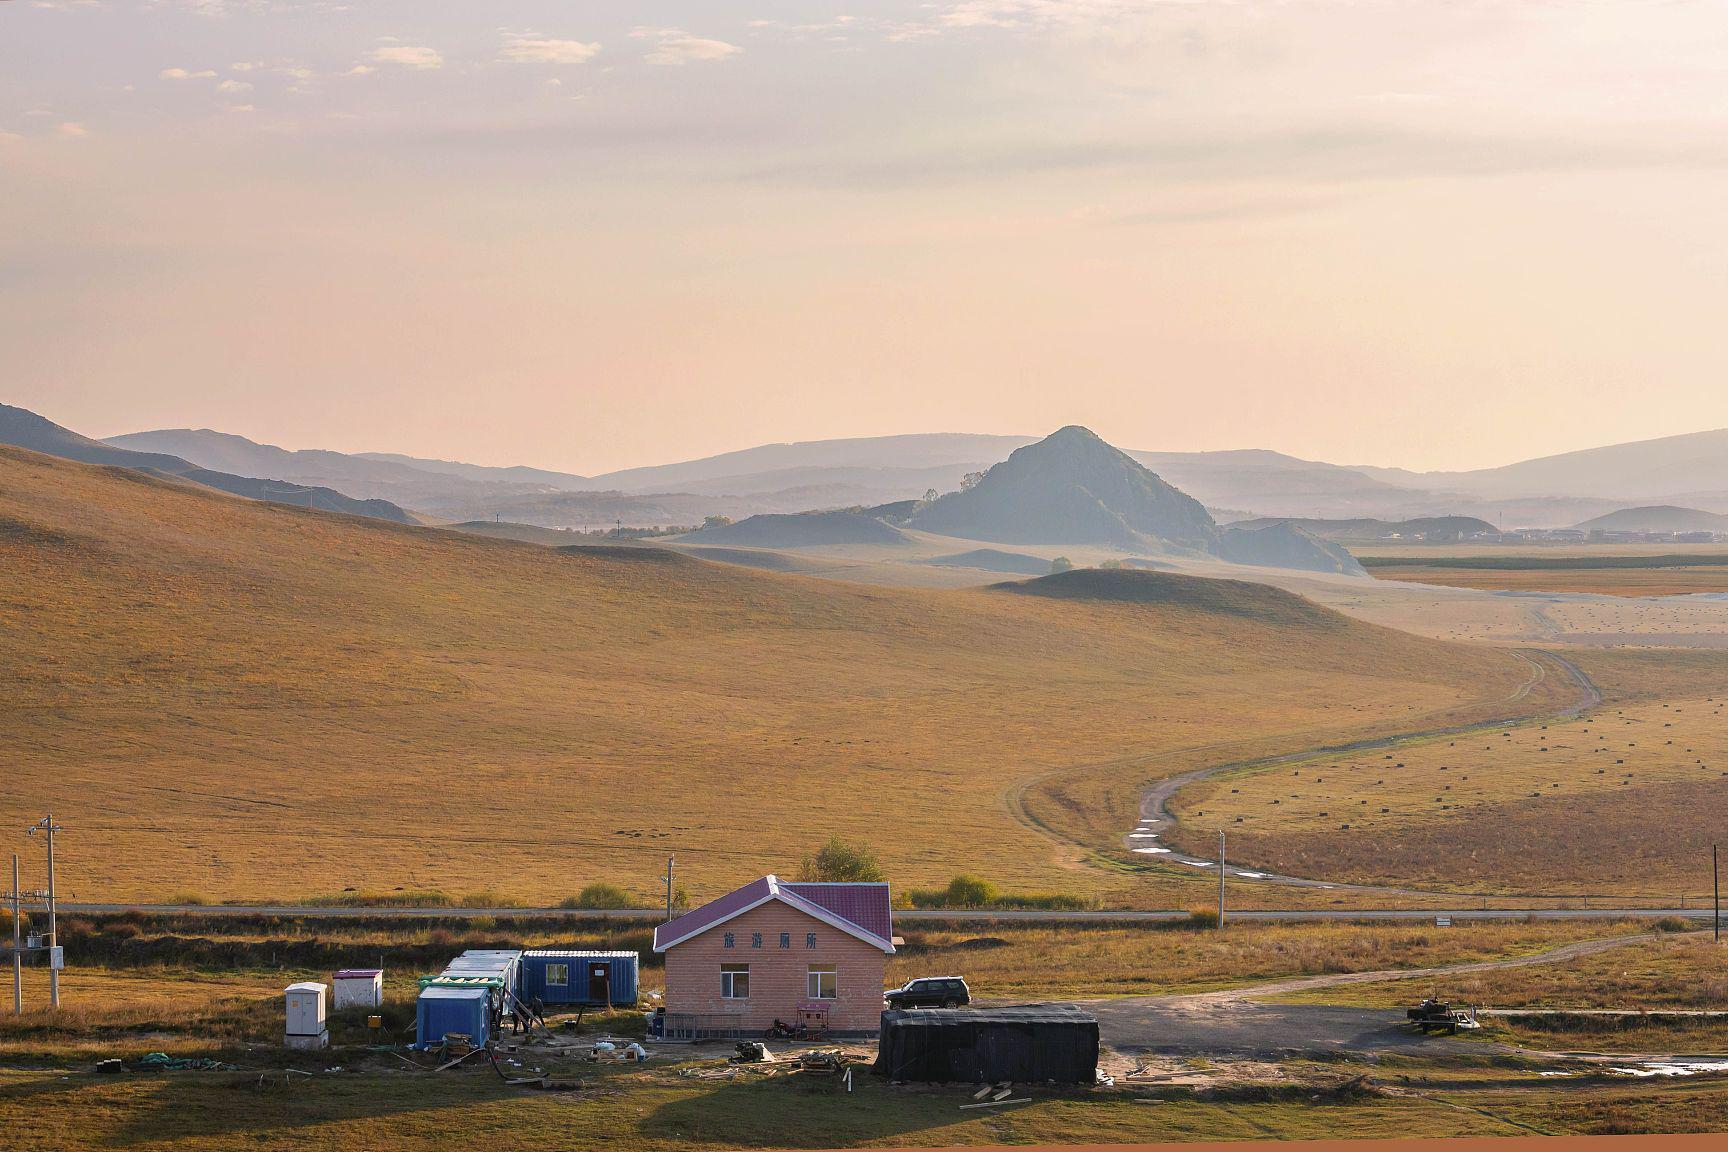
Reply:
x=950, y=1003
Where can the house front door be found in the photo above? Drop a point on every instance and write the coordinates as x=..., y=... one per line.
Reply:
x=600, y=983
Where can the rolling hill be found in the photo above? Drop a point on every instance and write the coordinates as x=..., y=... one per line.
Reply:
x=1367, y=529
x=1668, y=466
x=22, y=428
x=268, y=702
x=1286, y=545
x=799, y=530
x=1657, y=518
x=1072, y=488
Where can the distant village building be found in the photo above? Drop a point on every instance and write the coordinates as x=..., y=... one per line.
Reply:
x=774, y=950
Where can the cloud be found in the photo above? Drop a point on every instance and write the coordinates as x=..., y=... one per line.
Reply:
x=674, y=46
x=527, y=49
x=73, y=129
x=408, y=56
x=233, y=86
x=183, y=74
x=360, y=70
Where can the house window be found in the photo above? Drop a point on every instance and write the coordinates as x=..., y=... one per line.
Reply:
x=785, y=939
x=735, y=981
x=809, y=939
x=557, y=973
x=755, y=939
x=824, y=984
x=730, y=940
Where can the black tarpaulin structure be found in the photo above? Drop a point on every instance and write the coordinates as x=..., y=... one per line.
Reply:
x=1031, y=1043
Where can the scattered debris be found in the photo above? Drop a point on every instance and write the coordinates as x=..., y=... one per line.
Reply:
x=167, y=1063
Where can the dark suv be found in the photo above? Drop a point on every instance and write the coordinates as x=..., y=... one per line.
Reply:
x=930, y=992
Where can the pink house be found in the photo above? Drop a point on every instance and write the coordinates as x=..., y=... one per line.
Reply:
x=773, y=950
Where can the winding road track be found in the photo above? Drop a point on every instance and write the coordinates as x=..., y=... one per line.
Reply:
x=1156, y=819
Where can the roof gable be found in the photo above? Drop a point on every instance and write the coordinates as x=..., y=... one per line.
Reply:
x=861, y=910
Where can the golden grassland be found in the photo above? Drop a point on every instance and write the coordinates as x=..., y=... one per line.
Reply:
x=1676, y=581
x=1623, y=800
x=1089, y=961
x=251, y=701
x=1683, y=971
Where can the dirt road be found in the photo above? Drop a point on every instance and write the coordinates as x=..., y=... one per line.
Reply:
x=1237, y=1021
x=1156, y=819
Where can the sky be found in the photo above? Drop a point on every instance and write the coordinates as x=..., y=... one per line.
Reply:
x=589, y=236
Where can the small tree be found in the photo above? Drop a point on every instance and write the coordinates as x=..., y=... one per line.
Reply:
x=600, y=895
x=716, y=521
x=930, y=495
x=968, y=891
x=970, y=480
x=1112, y=565
x=838, y=862
x=1061, y=564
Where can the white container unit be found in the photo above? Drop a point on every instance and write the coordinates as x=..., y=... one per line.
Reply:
x=306, y=1021
x=359, y=988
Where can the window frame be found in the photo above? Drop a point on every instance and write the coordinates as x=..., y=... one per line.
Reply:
x=813, y=982
x=558, y=974
x=729, y=974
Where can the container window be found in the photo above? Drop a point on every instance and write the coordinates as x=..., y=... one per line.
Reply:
x=824, y=984
x=557, y=973
x=735, y=981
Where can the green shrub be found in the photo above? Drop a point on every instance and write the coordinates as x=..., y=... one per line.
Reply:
x=1673, y=924
x=968, y=891
x=191, y=898
x=1202, y=918
x=599, y=895
x=401, y=898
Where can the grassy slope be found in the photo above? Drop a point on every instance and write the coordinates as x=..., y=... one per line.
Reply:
x=1621, y=801
x=257, y=701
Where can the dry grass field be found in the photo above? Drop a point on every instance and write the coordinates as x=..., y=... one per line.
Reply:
x=245, y=701
x=1674, y=581
x=1622, y=801
x=1683, y=971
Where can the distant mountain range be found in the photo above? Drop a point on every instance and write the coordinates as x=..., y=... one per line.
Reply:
x=25, y=429
x=1554, y=491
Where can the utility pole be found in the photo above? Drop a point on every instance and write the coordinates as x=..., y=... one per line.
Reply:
x=47, y=825
x=1220, y=878
x=17, y=945
x=669, y=861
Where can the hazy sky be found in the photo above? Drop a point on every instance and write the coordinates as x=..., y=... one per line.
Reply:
x=1448, y=233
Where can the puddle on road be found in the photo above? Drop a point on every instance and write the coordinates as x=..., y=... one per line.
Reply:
x=1672, y=1068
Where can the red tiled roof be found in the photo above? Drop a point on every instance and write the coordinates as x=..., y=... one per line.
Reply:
x=862, y=910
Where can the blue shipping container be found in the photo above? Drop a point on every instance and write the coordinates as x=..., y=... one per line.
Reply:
x=443, y=1010
x=560, y=976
